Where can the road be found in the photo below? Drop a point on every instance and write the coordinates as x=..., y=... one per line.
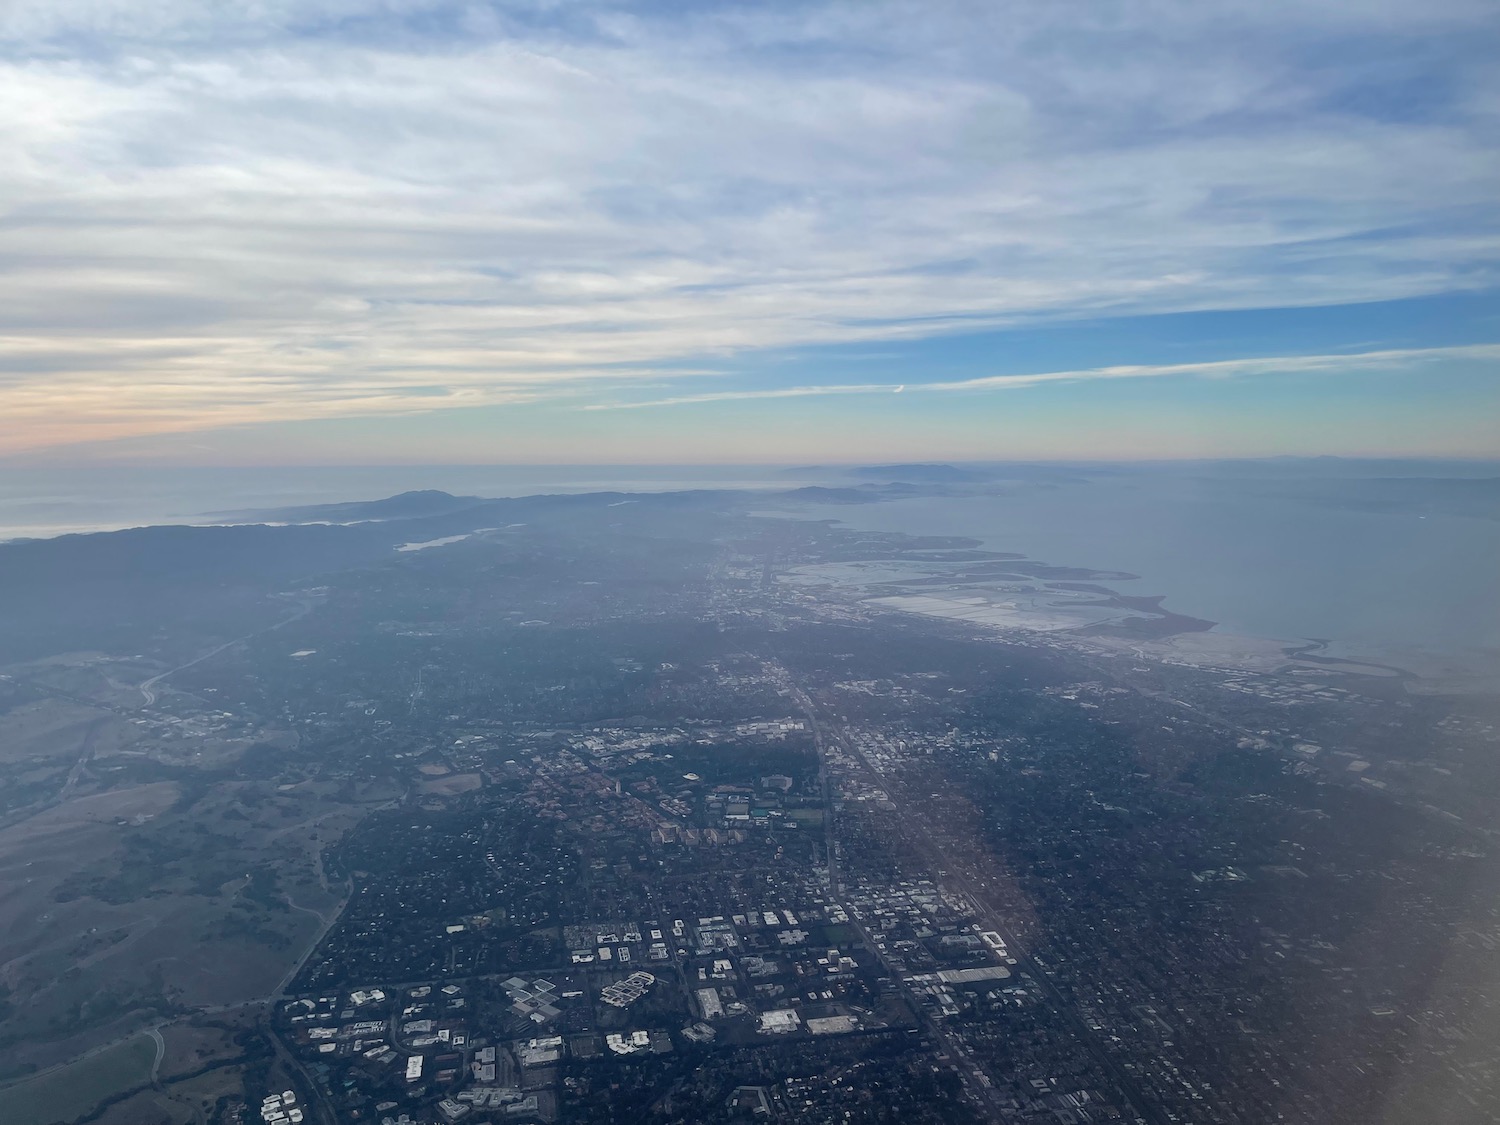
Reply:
x=326, y=924
x=315, y=1099
x=161, y=1053
x=85, y=755
x=955, y=867
x=976, y=1083
x=92, y=1052
x=148, y=687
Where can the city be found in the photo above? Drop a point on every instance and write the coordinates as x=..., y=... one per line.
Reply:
x=634, y=822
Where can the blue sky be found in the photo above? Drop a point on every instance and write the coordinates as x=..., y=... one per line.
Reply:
x=369, y=230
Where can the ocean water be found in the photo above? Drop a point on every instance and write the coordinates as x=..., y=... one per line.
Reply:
x=1248, y=557
x=1263, y=553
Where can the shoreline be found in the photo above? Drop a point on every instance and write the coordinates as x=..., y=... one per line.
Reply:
x=1126, y=623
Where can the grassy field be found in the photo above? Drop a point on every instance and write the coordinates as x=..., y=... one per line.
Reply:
x=180, y=1103
x=69, y=1093
x=808, y=818
x=838, y=934
x=121, y=903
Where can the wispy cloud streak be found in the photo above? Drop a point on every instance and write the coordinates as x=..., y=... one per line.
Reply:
x=1217, y=369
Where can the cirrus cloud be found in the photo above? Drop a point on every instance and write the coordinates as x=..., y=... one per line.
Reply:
x=217, y=216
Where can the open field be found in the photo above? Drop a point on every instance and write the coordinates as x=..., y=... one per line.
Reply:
x=452, y=785
x=188, y=1102
x=52, y=728
x=127, y=905
x=191, y=1047
x=109, y=681
x=69, y=1093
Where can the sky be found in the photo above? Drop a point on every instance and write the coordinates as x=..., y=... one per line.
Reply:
x=387, y=231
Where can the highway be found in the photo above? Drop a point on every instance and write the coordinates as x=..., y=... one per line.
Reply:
x=976, y=1083
x=148, y=687
x=956, y=873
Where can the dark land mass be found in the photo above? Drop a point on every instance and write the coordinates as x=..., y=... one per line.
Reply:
x=407, y=505
x=597, y=815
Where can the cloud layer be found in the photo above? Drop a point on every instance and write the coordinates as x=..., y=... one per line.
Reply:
x=327, y=207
